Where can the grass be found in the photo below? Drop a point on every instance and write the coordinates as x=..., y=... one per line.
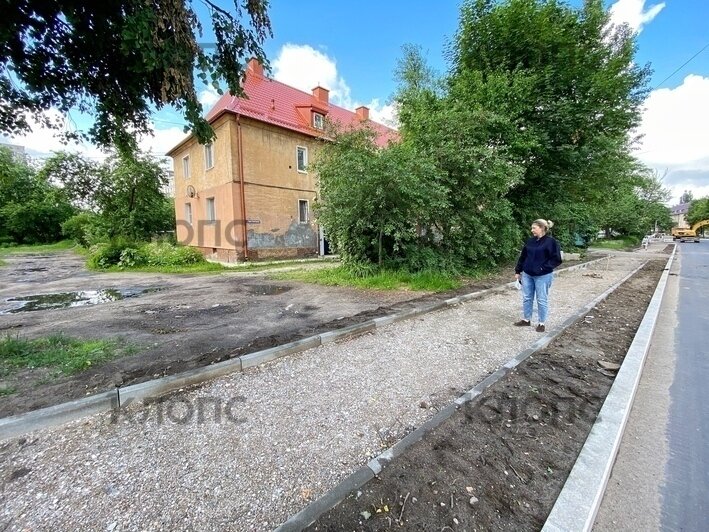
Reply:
x=39, y=248
x=616, y=243
x=65, y=354
x=202, y=267
x=7, y=390
x=382, y=280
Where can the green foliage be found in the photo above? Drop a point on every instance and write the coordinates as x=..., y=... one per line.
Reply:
x=62, y=245
x=686, y=197
x=567, y=85
x=118, y=61
x=127, y=254
x=373, y=202
x=124, y=192
x=66, y=354
x=31, y=208
x=83, y=228
x=621, y=243
x=698, y=210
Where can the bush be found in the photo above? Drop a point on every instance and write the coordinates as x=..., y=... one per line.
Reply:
x=132, y=258
x=107, y=254
x=127, y=254
x=80, y=228
x=161, y=254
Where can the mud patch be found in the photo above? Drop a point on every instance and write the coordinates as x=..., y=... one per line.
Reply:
x=500, y=461
x=267, y=289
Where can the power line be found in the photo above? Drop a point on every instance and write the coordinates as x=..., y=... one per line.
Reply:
x=682, y=66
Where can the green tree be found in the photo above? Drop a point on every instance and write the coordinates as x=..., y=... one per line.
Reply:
x=31, y=208
x=476, y=166
x=686, y=197
x=374, y=202
x=698, y=211
x=120, y=59
x=125, y=192
x=573, y=93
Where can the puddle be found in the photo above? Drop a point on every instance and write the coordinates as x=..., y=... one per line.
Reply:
x=72, y=299
x=267, y=289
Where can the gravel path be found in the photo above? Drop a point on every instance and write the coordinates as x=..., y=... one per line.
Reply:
x=246, y=451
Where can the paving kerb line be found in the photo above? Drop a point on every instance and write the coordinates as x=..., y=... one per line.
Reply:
x=20, y=424
x=364, y=474
x=580, y=498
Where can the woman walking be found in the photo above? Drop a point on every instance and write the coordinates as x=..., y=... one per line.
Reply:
x=535, y=267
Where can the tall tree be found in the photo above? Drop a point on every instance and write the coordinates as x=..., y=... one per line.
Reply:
x=125, y=192
x=31, y=208
x=686, y=197
x=476, y=168
x=573, y=92
x=119, y=59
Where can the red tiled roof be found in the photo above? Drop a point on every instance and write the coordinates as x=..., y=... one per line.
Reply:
x=276, y=103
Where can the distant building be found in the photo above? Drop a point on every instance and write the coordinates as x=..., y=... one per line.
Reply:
x=679, y=215
x=18, y=151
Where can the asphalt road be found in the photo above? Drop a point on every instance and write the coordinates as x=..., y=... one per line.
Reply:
x=660, y=480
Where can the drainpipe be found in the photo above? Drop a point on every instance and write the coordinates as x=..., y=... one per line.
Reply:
x=241, y=187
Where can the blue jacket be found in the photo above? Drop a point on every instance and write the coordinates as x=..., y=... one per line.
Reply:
x=539, y=256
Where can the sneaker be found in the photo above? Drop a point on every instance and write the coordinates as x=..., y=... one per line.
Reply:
x=522, y=323
x=540, y=328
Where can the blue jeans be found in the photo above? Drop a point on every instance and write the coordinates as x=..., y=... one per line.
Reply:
x=539, y=285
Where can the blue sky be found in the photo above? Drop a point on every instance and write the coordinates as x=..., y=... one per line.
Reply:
x=352, y=49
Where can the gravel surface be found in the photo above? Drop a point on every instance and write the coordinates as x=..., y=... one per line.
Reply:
x=247, y=451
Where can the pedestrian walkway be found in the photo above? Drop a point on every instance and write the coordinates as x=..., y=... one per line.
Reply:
x=246, y=451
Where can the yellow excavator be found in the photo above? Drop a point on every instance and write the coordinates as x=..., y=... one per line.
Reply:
x=684, y=234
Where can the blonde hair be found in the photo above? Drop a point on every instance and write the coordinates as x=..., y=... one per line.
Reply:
x=544, y=224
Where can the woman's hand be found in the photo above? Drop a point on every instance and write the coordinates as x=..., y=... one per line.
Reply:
x=517, y=276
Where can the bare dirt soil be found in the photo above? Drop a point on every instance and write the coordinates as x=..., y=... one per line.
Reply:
x=500, y=461
x=177, y=322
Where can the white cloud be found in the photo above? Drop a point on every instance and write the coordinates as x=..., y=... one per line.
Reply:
x=41, y=141
x=633, y=13
x=304, y=67
x=675, y=129
x=208, y=97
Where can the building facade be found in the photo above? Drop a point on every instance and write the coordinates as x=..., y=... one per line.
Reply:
x=249, y=194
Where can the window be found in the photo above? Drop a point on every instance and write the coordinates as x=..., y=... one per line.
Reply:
x=188, y=213
x=303, y=211
x=186, y=166
x=318, y=121
x=211, y=212
x=302, y=156
x=209, y=156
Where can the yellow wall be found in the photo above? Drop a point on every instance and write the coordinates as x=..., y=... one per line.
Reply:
x=272, y=187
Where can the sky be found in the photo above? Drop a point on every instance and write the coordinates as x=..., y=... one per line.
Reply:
x=352, y=48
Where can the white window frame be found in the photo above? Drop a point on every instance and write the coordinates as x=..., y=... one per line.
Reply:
x=209, y=156
x=211, y=210
x=298, y=149
x=300, y=212
x=188, y=213
x=186, y=166
x=318, y=121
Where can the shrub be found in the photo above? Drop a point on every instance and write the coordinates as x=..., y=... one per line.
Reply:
x=80, y=227
x=161, y=254
x=133, y=257
x=107, y=254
